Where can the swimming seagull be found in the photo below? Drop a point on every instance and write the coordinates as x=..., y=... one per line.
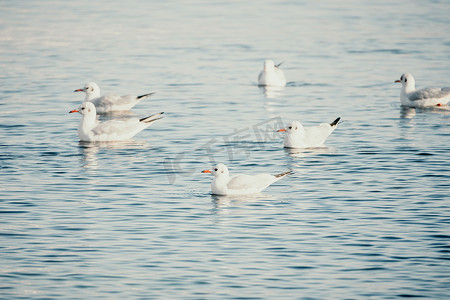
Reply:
x=298, y=136
x=112, y=130
x=426, y=97
x=223, y=184
x=109, y=102
x=271, y=75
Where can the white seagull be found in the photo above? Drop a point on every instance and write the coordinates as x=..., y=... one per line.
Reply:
x=298, y=136
x=112, y=130
x=109, y=102
x=271, y=75
x=223, y=184
x=426, y=97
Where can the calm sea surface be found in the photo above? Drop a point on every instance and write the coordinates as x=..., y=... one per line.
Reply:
x=367, y=217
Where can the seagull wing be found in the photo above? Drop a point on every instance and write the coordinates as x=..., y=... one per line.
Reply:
x=115, y=99
x=250, y=182
x=429, y=93
x=115, y=126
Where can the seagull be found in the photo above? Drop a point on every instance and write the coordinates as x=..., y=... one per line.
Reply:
x=112, y=130
x=298, y=136
x=271, y=75
x=109, y=102
x=224, y=185
x=426, y=97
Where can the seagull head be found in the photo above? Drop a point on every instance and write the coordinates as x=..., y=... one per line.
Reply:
x=295, y=127
x=85, y=109
x=91, y=89
x=218, y=170
x=407, y=81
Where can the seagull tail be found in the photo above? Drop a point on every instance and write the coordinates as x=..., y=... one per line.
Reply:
x=277, y=65
x=335, y=122
x=152, y=118
x=145, y=96
x=281, y=175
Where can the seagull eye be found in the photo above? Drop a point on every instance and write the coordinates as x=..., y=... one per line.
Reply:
x=216, y=169
x=406, y=80
x=290, y=127
x=82, y=108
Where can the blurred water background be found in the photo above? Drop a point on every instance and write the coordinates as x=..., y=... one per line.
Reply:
x=366, y=217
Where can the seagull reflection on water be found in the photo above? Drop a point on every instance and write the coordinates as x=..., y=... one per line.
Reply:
x=88, y=150
x=410, y=112
x=235, y=200
x=306, y=152
x=272, y=91
x=407, y=112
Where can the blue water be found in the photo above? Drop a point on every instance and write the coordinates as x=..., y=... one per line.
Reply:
x=366, y=217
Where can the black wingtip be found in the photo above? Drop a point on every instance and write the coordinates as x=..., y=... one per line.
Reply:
x=152, y=118
x=145, y=95
x=335, y=122
x=283, y=174
x=277, y=65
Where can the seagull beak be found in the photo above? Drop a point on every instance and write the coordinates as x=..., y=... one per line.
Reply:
x=279, y=130
x=397, y=80
x=79, y=90
x=206, y=171
x=74, y=111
